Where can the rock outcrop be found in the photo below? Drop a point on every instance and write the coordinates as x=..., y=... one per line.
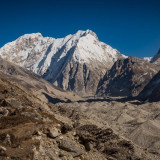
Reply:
x=151, y=92
x=127, y=77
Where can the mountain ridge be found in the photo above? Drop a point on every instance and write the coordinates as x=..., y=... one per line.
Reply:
x=127, y=77
x=70, y=63
x=77, y=62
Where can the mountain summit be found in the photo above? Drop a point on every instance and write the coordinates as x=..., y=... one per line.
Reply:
x=75, y=62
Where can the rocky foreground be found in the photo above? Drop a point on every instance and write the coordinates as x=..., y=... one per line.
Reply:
x=28, y=130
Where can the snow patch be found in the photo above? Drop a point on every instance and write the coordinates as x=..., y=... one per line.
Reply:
x=41, y=54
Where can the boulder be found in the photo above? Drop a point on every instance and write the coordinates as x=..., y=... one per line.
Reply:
x=7, y=140
x=71, y=147
x=2, y=151
x=4, y=111
x=53, y=132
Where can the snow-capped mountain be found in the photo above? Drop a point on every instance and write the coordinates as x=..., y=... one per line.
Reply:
x=75, y=62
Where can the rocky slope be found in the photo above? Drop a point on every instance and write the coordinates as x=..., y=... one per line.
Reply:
x=35, y=83
x=32, y=128
x=127, y=77
x=76, y=62
x=151, y=92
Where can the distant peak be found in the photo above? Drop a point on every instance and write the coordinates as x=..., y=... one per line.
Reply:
x=89, y=31
x=82, y=33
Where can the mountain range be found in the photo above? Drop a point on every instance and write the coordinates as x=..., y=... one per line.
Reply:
x=76, y=98
x=81, y=63
x=76, y=62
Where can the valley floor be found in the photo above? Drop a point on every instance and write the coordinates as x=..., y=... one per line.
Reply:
x=133, y=120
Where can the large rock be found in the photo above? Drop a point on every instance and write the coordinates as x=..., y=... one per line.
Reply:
x=71, y=147
x=4, y=111
x=2, y=151
x=7, y=140
x=53, y=132
x=108, y=143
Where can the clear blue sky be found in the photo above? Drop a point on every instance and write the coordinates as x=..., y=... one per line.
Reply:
x=131, y=26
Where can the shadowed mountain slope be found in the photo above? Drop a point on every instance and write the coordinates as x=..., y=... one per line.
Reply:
x=127, y=77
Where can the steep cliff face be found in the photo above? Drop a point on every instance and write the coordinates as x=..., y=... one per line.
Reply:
x=127, y=77
x=151, y=92
x=80, y=77
x=76, y=62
